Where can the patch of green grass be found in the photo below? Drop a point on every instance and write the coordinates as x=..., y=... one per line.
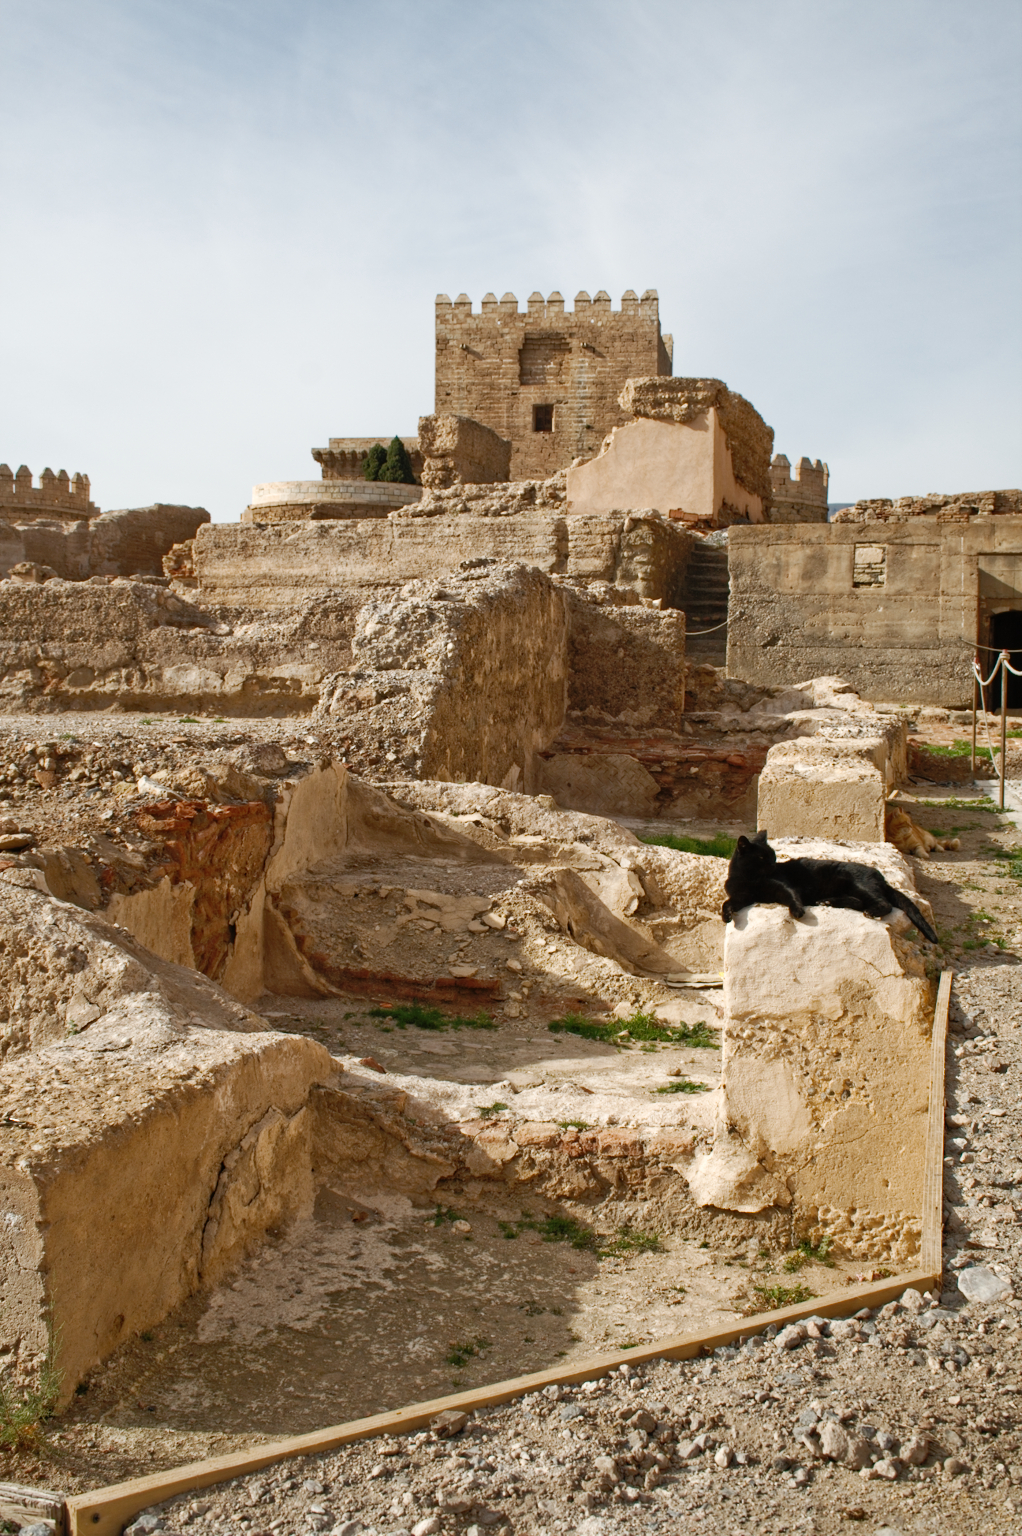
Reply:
x=487, y=1111
x=423, y=1016
x=579, y=1125
x=956, y=749
x=565, y=1229
x=188, y=720
x=461, y=1354
x=444, y=1213
x=805, y=1254
x=720, y=846
x=628, y=1241
x=784, y=1295
x=147, y=1336
x=641, y=1026
x=953, y=803
x=682, y=1085
x=24, y=1410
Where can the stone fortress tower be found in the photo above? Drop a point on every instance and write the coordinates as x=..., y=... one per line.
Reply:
x=546, y=380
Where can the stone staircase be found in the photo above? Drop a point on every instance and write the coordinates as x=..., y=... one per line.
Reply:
x=706, y=595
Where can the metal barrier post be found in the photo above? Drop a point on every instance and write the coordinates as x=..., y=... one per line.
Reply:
x=1002, y=662
x=975, y=694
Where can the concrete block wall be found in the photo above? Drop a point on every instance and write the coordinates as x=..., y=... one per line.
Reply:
x=900, y=627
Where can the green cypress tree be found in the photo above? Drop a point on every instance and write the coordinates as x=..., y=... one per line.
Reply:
x=374, y=462
x=398, y=468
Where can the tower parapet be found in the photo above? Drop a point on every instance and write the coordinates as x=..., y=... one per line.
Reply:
x=802, y=498
x=57, y=495
x=545, y=378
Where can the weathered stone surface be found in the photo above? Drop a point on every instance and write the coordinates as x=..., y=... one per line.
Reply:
x=900, y=625
x=459, y=451
x=685, y=401
x=826, y=1072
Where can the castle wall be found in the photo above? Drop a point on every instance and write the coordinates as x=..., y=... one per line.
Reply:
x=58, y=495
x=276, y=565
x=500, y=366
x=124, y=543
x=798, y=498
x=894, y=608
x=344, y=458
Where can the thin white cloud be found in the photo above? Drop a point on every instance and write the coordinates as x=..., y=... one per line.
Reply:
x=225, y=222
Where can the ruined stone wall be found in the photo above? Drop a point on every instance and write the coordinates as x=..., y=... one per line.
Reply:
x=798, y=498
x=545, y=380
x=896, y=609
x=687, y=401
x=275, y=566
x=958, y=507
x=626, y=661
x=471, y=670
x=457, y=451
x=125, y=543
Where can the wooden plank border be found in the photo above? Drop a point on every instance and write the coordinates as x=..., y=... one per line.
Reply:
x=105, y=1511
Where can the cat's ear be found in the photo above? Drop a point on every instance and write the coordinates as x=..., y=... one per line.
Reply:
x=761, y=836
x=742, y=844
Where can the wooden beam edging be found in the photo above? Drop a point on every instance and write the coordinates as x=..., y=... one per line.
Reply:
x=105, y=1511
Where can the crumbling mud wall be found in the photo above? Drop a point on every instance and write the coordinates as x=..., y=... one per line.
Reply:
x=825, y=1087
x=896, y=609
x=124, y=543
x=625, y=660
x=154, y=1133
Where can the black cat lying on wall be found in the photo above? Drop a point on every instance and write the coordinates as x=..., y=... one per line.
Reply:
x=754, y=875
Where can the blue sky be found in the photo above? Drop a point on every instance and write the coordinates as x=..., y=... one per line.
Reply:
x=225, y=222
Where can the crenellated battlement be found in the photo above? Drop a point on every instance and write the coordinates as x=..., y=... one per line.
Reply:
x=460, y=309
x=801, y=498
x=546, y=378
x=57, y=495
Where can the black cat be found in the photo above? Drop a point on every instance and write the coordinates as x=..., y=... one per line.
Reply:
x=754, y=875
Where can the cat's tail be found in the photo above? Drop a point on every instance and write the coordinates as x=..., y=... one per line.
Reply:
x=910, y=908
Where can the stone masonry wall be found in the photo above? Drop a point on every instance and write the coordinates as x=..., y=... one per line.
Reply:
x=801, y=498
x=458, y=451
x=501, y=366
x=896, y=610
x=271, y=567
x=125, y=543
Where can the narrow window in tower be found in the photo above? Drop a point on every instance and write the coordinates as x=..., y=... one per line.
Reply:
x=542, y=418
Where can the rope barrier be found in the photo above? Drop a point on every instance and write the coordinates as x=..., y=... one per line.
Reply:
x=1002, y=666
x=690, y=634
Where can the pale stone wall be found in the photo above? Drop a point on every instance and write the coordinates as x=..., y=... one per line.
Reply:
x=286, y=501
x=498, y=366
x=896, y=609
x=682, y=470
x=457, y=451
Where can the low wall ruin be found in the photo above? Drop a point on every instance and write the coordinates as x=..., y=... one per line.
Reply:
x=122, y=543
x=693, y=449
x=896, y=608
x=459, y=451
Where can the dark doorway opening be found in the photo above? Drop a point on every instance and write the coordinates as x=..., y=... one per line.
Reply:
x=542, y=418
x=1006, y=635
